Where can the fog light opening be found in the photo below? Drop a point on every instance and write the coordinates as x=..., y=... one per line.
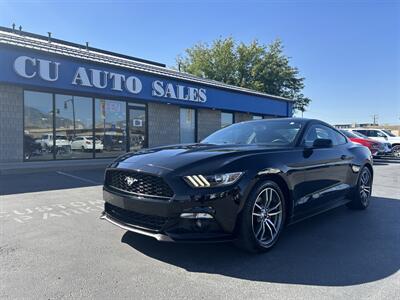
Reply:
x=196, y=216
x=355, y=168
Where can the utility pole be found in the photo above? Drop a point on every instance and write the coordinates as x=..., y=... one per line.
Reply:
x=375, y=117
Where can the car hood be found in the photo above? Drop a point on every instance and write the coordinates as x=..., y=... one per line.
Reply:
x=394, y=139
x=175, y=157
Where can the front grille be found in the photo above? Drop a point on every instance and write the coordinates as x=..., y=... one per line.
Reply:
x=134, y=218
x=143, y=184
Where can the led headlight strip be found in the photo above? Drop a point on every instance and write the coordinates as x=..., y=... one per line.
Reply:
x=198, y=181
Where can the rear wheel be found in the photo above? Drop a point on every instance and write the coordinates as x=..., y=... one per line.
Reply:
x=363, y=190
x=262, y=218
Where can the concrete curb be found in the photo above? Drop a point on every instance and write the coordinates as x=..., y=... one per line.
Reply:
x=45, y=166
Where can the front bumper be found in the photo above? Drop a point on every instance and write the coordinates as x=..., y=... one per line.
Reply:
x=386, y=149
x=163, y=220
x=128, y=227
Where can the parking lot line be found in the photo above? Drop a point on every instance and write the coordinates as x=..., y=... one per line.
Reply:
x=79, y=178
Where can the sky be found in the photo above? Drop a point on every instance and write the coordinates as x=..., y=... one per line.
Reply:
x=348, y=51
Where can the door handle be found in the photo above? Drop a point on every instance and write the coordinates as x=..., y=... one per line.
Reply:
x=344, y=157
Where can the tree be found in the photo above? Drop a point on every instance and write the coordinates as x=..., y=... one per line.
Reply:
x=263, y=68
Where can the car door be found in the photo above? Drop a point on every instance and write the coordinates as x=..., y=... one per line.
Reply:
x=325, y=170
x=381, y=136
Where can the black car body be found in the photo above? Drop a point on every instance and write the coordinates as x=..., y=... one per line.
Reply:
x=309, y=165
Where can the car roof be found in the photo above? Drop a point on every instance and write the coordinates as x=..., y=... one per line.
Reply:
x=363, y=128
x=300, y=120
x=304, y=121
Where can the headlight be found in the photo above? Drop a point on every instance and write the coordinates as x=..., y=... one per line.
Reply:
x=200, y=181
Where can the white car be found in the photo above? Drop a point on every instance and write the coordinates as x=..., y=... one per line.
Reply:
x=86, y=143
x=47, y=141
x=381, y=135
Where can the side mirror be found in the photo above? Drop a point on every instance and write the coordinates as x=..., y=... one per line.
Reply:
x=322, y=143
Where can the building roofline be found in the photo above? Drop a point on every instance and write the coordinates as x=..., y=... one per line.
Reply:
x=45, y=38
x=38, y=42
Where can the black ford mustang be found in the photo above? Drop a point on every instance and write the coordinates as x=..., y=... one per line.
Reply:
x=244, y=183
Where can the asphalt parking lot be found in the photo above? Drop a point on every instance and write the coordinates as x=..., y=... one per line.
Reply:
x=53, y=246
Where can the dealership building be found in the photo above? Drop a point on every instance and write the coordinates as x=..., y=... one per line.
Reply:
x=60, y=101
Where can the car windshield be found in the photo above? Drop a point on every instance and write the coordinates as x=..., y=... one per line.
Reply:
x=388, y=133
x=265, y=132
x=61, y=137
x=349, y=134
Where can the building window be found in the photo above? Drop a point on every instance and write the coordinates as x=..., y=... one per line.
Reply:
x=257, y=117
x=74, y=127
x=226, y=119
x=38, y=126
x=137, y=126
x=187, y=125
x=110, y=127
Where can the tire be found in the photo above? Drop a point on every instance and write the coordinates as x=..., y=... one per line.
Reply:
x=396, y=151
x=83, y=149
x=256, y=226
x=363, y=191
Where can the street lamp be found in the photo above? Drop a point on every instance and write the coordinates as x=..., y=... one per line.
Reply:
x=73, y=111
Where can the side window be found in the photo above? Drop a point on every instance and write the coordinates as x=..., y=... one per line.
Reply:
x=340, y=139
x=313, y=133
x=380, y=134
x=372, y=133
x=323, y=132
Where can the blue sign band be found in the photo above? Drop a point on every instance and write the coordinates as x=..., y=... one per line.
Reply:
x=51, y=71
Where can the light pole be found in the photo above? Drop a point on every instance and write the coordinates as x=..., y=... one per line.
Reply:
x=73, y=111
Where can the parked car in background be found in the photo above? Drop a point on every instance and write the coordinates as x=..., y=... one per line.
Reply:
x=387, y=145
x=85, y=143
x=381, y=135
x=61, y=143
x=376, y=148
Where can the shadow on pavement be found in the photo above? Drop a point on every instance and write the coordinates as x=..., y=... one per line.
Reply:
x=47, y=181
x=338, y=248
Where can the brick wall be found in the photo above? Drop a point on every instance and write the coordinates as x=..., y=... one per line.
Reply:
x=208, y=121
x=163, y=124
x=11, y=123
x=240, y=117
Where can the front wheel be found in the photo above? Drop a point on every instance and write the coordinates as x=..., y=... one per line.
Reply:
x=363, y=190
x=396, y=151
x=262, y=218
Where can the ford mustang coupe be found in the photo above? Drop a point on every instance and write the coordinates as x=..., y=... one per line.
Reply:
x=243, y=183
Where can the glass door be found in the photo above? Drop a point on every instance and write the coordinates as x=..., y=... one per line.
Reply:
x=137, y=128
x=187, y=124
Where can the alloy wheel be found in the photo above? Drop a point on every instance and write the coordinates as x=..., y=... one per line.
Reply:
x=365, y=186
x=267, y=216
x=396, y=151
